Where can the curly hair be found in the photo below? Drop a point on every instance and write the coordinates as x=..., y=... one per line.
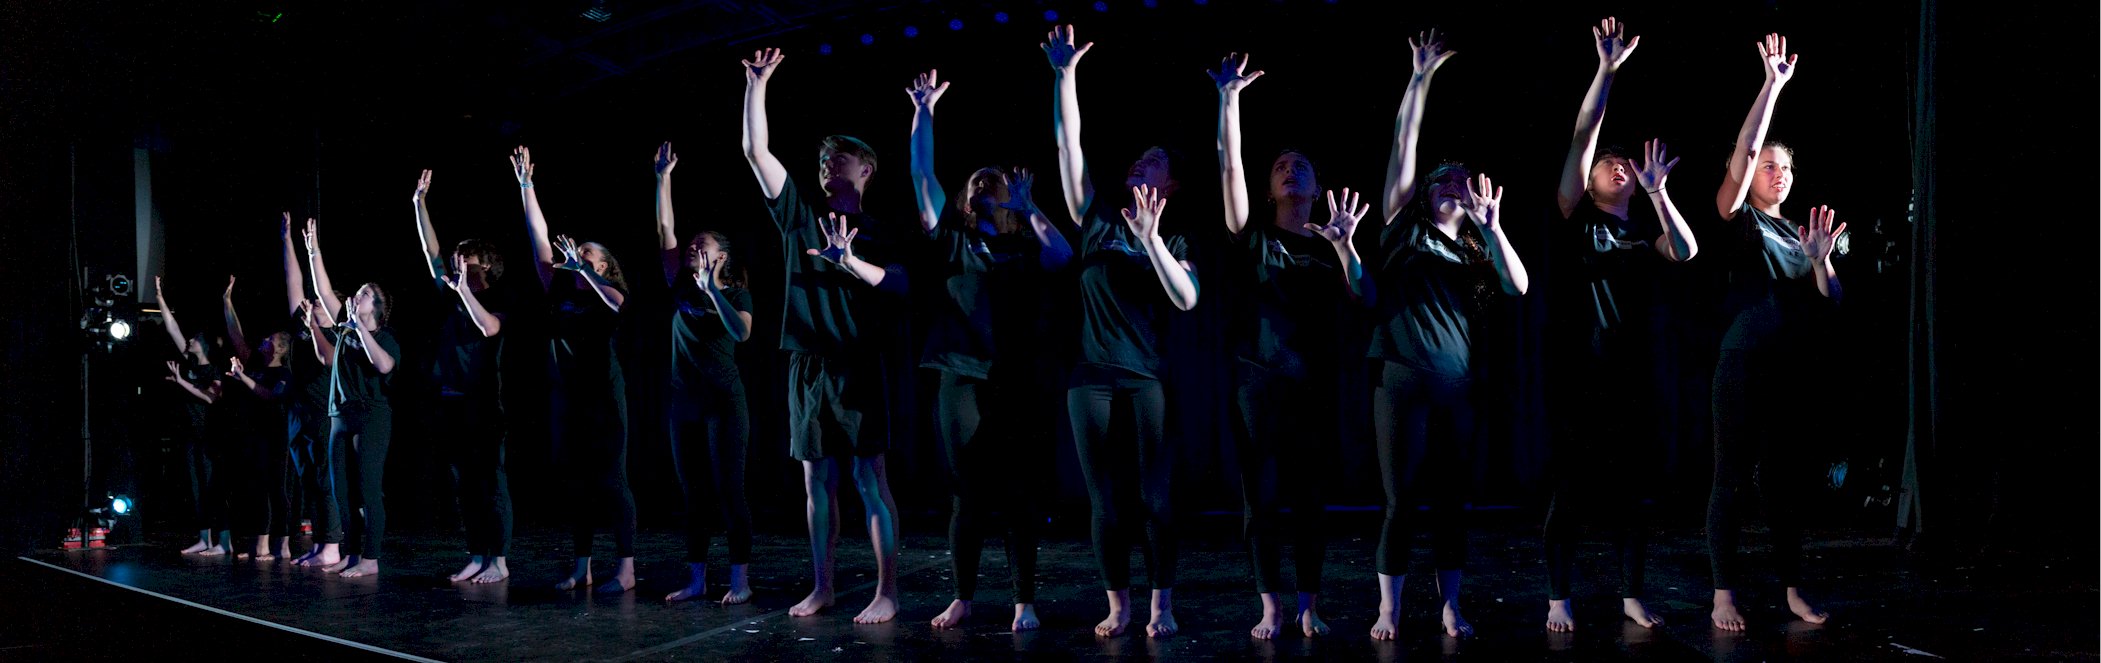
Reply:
x=486, y=253
x=733, y=273
x=382, y=302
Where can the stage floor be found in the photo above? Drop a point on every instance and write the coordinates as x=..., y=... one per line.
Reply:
x=152, y=602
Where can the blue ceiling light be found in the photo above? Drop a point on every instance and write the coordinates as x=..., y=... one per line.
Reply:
x=999, y=17
x=824, y=49
x=867, y=39
x=1050, y=15
x=911, y=31
x=1101, y=6
x=955, y=24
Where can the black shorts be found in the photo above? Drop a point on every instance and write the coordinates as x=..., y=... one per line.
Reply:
x=836, y=408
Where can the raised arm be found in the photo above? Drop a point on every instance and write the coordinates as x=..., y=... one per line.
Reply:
x=1065, y=121
x=167, y=317
x=1779, y=69
x=737, y=323
x=1232, y=173
x=317, y=324
x=667, y=229
x=1021, y=198
x=295, y=280
x=208, y=393
x=1613, y=49
x=1341, y=231
x=233, y=321
x=1484, y=206
x=1427, y=54
x=757, y=150
x=1177, y=277
x=535, y=220
x=324, y=291
x=489, y=323
x=926, y=190
x=1676, y=243
x=573, y=260
x=268, y=392
x=425, y=232
x=1818, y=239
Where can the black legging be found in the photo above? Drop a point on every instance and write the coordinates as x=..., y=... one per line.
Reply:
x=1748, y=443
x=1119, y=424
x=262, y=498
x=992, y=444
x=313, y=460
x=710, y=434
x=1287, y=426
x=358, y=439
x=195, y=439
x=474, y=427
x=589, y=436
x=1606, y=452
x=1424, y=423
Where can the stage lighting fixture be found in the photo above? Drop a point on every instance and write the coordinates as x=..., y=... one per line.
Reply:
x=1837, y=475
x=955, y=24
x=598, y=12
x=119, y=330
x=999, y=17
x=120, y=504
x=103, y=317
x=824, y=49
x=867, y=39
x=911, y=31
x=1101, y=6
x=1150, y=4
x=1050, y=15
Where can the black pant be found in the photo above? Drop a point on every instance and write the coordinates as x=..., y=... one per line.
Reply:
x=996, y=452
x=313, y=459
x=473, y=427
x=196, y=442
x=589, y=437
x=710, y=435
x=358, y=440
x=1287, y=430
x=1424, y=424
x=262, y=498
x=1749, y=408
x=1609, y=432
x=1119, y=425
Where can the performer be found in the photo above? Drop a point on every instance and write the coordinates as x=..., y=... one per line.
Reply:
x=361, y=355
x=194, y=432
x=1781, y=280
x=1125, y=269
x=1607, y=330
x=468, y=377
x=710, y=423
x=306, y=421
x=994, y=252
x=588, y=427
x=1443, y=255
x=844, y=284
x=263, y=376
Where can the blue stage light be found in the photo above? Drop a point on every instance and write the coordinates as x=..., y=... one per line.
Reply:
x=911, y=31
x=867, y=39
x=1101, y=6
x=1149, y=4
x=120, y=505
x=999, y=17
x=824, y=49
x=955, y=24
x=1050, y=14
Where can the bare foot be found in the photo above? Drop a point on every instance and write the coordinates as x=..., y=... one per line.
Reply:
x=364, y=567
x=579, y=578
x=1389, y=621
x=740, y=585
x=1725, y=615
x=324, y=558
x=473, y=567
x=1455, y=625
x=817, y=601
x=197, y=547
x=1163, y=624
x=696, y=583
x=1025, y=617
x=623, y=578
x=1640, y=613
x=1114, y=624
x=1558, y=618
x=495, y=571
x=1801, y=607
x=958, y=610
x=1272, y=619
x=1310, y=623
x=339, y=565
x=879, y=610
x=265, y=556
x=214, y=551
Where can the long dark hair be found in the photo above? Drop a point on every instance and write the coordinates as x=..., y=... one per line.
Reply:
x=385, y=303
x=1470, y=246
x=1003, y=220
x=733, y=274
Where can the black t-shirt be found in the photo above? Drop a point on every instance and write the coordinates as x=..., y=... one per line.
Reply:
x=1121, y=301
x=1609, y=276
x=1770, y=280
x=1287, y=293
x=580, y=339
x=200, y=376
x=1430, y=287
x=702, y=351
x=309, y=376
x=992, y=299
x=355, y=381
x=258, y=410
x=468, y=363
x=825, y=311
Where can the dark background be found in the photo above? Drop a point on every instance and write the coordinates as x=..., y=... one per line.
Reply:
x=329, y=110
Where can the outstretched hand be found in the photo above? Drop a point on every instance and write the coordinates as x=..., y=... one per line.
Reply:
x=1428, y=52
x=229, y=288
x=1484, y=203
x=572, y=257
x=233, y=369
x=286, y=229
x=313, y=237
x=1020, y=197
x=666, y=159
x=422, y=188
x=926, y=90
x=1145, y=220
x=1779, y=65
x=1819, y=238
x=1653, y=169
x=838, y=239
x=1232, y=75
x=761, y=65
x=1060, y=50
x=704, y=274
x=522, y=165
x=174, y=372
x=1343, y=215
x=160, y=294
x=1613, y=44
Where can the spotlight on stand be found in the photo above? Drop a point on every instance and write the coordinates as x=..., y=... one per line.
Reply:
x=106, y=320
